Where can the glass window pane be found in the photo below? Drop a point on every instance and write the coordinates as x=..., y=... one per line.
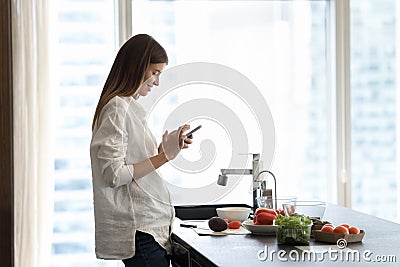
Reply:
x=374, y=107
x=281, y=46
x=81, y=32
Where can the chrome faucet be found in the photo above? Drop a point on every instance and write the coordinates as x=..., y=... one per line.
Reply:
x=255, y=171
x=263, y=186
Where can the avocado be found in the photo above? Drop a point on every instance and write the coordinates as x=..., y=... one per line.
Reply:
x=217, y=224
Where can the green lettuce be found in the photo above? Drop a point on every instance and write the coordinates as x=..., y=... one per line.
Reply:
x=293, y=229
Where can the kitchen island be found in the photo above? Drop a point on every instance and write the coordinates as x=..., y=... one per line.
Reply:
x=380, y=246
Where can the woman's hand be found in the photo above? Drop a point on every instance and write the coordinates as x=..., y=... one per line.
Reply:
x=174, y=142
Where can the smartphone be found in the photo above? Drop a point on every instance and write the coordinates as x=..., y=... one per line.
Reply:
x=189, y=134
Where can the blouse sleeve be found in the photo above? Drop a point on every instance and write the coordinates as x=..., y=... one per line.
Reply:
x=111, y=139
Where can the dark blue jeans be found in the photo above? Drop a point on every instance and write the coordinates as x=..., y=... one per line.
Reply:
x=148, y=253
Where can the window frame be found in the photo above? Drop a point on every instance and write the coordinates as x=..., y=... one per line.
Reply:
x=123, y=12
x=342, y=86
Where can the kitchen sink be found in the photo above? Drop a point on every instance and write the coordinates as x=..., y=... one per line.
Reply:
x=201, y=212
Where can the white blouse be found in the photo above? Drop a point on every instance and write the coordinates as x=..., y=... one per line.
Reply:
x=122, y=205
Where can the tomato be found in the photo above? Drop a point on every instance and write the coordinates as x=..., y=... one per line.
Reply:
x=264, y=218
x=234, y=225
x=265, y=210
x=354, y=230
x=345, y=225
x=341, y=230
x=327, y=229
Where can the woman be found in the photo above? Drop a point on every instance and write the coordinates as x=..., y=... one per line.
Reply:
x=132, y=205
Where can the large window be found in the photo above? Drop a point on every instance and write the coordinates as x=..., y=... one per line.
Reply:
x=284, y=47
x=375, y=106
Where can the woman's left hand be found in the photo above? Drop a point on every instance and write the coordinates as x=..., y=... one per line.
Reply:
x=174, y=142
x=186, y=140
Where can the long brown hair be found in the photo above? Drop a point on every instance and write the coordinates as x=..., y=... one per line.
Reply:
x=128, y=70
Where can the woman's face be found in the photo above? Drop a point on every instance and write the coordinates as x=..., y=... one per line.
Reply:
x=151, y=78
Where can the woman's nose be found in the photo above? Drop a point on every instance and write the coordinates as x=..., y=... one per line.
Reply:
x=156, y=80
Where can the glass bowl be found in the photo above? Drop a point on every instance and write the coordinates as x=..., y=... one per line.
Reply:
x=274, y=203
x=312, y=209
x=293, y=236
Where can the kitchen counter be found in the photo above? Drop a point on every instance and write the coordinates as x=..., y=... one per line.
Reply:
x=382, y=239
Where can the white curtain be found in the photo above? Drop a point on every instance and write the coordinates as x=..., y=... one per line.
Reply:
x=33, y=166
